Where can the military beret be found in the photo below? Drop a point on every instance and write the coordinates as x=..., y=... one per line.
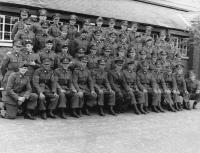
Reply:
x=28, y=41
x=124, y=23
x=99, y=19
x=45, y=24
x=24, y=11
x=86, y=21
x=101, y=61
x=112, y=20
x=73, y=17
x=84, y=59
x=49, y=40
x=56, y=15
x=65, y=60
x=118, y=60
x=142, y=52
x=17, y=43
x=42, y=12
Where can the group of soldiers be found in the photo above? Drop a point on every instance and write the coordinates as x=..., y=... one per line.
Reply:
x=54, y=69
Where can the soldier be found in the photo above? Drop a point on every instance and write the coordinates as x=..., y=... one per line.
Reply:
x=87, y=27
x=163, y=90
x=36, y=27
x=44, y=84
x=67, y=93
x=131, y=55
x=103, y=88
x=171, y=84
x=92, y=58
x=124, y=96
x=137, y=44
x=152, y=61
x=111, y=28
x=18, y=93
x=24, y=13
x=147, y=84
x=161, y=42
x=131, y=80
x=193, y=87
x=72, y=31
x=99, y=23
x=124, y=30
x=147, y=33
x=11, y=61
x=123, y=40
x=84, y=85
x=54, y=29
x=134, y=28
x=48, y=53
x=26, y=33
x=142, y=58
x=163, y=60
x=64, y=53
x=149, y=47
x=112, y=42
x=181, y=85
x=97, y=41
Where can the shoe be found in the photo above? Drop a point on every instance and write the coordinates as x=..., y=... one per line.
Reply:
x=29, y=116
x=87, y=112
x=74, y=114
x=111, y=111
x=141, y=109
x=51, y=114
x=44, y=115
x=161, y=109
x=80, y=112
x=146, y=109
x=136, y=109
x=194, y=105
x=177, y=107
x=62, y=114
x=188, y=106
x=101, y=112
x=171, y=108
x=155, y=109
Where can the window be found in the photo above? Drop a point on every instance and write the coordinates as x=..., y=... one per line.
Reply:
x=6, y=25
x=181, y=44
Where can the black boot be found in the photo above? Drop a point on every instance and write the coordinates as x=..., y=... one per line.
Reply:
x=111, y=111
x=87, y=112
x=51, y=114
x=161, y=109
x=155, y=109
x=101, y=112
x=142, y=109
x=177, y=106
x=136, y=109
x=43, y=115
x=180, y=106
x=194, y=105
x=171, y=108
x=62, y=113
x=74, y=113
x=146, y=109
x=28, y=115
x=80, y=112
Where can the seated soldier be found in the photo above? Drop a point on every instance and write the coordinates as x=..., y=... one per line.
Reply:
x=147, y=84
x=18, y=94
x=193, y=87
x=103, y=88
x=181, y=85
x=131, y=80
x=45, y=85
x=67, y=93
x=118, y=84
x=84, y=85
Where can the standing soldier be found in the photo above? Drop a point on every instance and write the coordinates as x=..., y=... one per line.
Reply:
x=103, y=88
x=164, y=61
x=147, y=84
x=132, y=34
x=112, y=42
x=181, y=85
x=131, y=80
x=111, y=28
x=54, y=29
x=92, y=58
x=64, y=53
x=137, y=43
x=152, y=61
x=149, y=47
x=142, y=59
x=26, y=33
x=84, y=85
x=87, y=27
x=67, y=93
x=99, y=23
x=124, y=30
x=18, y=93
x=193, y=87
x=48, y=53
x=72, y=31
x=147, y=33
x=45, y=85
x=24, y=13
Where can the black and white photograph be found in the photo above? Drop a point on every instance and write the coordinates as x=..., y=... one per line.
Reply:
x=99, y=76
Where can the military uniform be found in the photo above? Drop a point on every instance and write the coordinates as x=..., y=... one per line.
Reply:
x=133, y=32
x=19, y=86
x=44, y=83
x=54, y=29
x=112, y=42
x=72, y=30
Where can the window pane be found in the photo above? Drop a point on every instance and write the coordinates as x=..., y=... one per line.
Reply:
x=1, y=35
x=7, y=36
x=1, y=27
x=7, y=19
x=7, y=28
x=14, y=20
x=1, y=20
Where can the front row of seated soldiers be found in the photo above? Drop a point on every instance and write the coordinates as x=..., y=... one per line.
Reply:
x=52, y=83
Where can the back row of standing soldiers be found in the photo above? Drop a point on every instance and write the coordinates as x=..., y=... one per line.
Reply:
x=54, y=68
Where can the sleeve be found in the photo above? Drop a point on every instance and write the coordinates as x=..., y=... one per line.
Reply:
x=174, y=83
x=28, y=88
x=140, y=86
x=126, y=87
x=112, y=84
x=163, y=83
x=90, y=82
x=107, y=83
x=9, y=87
x=75, y=80
x=56, y=77
x=18, y=35
x=184, y=84
x=4, y=65
x=153, y=83
x=36, y=80
x=53, y=83
x=14, y=30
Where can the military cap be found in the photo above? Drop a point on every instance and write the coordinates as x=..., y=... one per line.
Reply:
x=28, y=21
x=24, y=65
x=145, y=64
x=130, y=61
x=42, y=12
x=142, y=52
x=17, y=43
x=45, y=24
x=112, y=34
x=122, y=35
x=84, y=59
x=101, y=61
x=86, y=21
x=163, y=53
x=24, y=11
x=49, y=40
x=99, y=19
x=149, y=39
x=73, y=17
x=118, y=60
x=137, y=35
x=178, y=55
x=83, y=31
x=112, y=20
x=107, y=48
x=121, y=48
x=163, y=32
x=64, y=45
x=124, y=22
x=81, y=49
x=65, y=60
x=131, y=50
x=158, y=63
x=56, y=15
x=149, y=27
x=28, y=41
x=98, y=32
x=179, y=66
